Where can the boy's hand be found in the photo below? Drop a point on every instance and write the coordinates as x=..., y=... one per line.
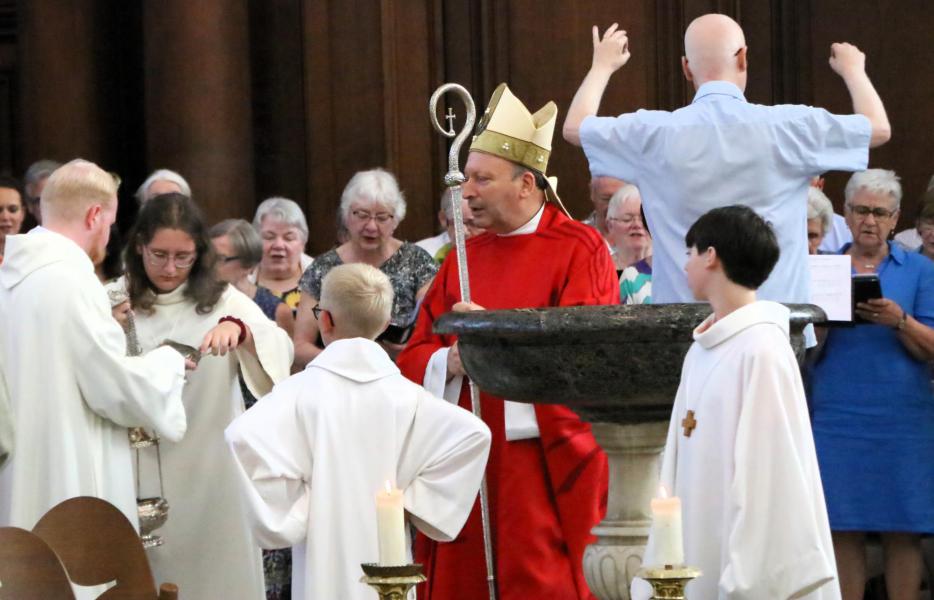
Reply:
x=612, y=52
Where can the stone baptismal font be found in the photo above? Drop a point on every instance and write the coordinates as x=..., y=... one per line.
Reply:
x=618, y=367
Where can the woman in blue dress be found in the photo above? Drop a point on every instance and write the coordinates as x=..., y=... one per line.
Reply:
x=872, y=402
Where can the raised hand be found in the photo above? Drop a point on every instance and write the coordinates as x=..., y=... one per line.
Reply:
x=846, y=59
x=611, y=52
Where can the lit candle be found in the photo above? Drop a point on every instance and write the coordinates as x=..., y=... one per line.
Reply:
x=666, y=529
x=390, y=526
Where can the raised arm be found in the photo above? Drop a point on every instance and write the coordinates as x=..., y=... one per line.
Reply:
x=850, y=64
x=609, y=54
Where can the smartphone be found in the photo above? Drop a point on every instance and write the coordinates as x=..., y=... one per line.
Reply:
x=866, y=286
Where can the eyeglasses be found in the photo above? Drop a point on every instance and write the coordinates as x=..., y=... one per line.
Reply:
x=380, y=218
x=878, y=212
x=625, y=219
x=316, y=311
x=158, y=258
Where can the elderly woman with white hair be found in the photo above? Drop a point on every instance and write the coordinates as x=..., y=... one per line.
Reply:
x=626, y=230
x=820, y=218
x=631, y=245
x=371, y=208
x=282, y=225
x=872, y=403
x=162, y=181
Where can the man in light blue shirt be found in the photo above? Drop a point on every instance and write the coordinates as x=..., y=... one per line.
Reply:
x=722, y=150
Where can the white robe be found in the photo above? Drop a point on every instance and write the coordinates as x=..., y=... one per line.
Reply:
x=208, y=550
x=6, y=420
x=754, y=516
x=313, y=454
x=73, y=392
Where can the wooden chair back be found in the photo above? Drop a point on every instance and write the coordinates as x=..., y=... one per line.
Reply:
x=30, y=569
x=97, y=545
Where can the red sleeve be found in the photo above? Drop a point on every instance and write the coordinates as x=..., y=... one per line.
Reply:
x=413, y=360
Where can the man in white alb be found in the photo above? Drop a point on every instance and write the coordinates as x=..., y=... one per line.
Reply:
x=71, y=408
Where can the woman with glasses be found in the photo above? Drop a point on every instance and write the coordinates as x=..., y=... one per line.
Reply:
x=872, y=403
x=170, y=263
x=371, y=208
x=631, y=245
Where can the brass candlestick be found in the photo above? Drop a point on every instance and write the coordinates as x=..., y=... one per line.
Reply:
x=392, y=583
x=668, y=582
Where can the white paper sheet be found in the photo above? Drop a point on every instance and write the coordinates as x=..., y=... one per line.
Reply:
x=831, y=285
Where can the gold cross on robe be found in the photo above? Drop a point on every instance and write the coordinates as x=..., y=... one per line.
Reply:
x=689, y=423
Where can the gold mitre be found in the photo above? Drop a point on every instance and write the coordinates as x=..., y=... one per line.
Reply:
x=508, y=130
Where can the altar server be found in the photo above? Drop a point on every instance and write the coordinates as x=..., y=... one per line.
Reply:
x=740, y=453
x=72, y=390
x=313, y=454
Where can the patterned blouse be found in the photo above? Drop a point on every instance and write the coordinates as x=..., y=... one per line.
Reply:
x=635, y=284
x=409, y=269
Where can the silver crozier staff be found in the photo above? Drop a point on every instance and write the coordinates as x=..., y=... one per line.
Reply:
x=453, y=179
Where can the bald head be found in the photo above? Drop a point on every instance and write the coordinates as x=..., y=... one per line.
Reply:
x=714, y=49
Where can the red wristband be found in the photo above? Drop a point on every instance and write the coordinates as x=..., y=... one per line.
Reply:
x=238, y=322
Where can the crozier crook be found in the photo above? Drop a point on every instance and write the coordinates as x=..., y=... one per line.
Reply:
x=453, y=180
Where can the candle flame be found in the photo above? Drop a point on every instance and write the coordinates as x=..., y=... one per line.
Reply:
x=662, y=491
x=388, y=487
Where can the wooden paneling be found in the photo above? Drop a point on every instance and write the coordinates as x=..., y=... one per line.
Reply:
x=198, y=102
x=291, y=97
x=343, y=107
x=278, y=99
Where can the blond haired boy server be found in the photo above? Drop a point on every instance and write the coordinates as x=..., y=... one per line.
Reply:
x=314, y=452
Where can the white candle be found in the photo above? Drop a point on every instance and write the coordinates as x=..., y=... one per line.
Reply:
x=390, y=526
x=666, y=529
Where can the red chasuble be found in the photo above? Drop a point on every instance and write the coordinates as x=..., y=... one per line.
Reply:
x=545, y=493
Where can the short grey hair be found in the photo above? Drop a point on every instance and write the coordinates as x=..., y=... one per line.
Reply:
x=875, y=181
x=820, y=207
x=245, y=240
x=142, y=193
x=377, y=186
x=281, y=209
x=620, y=196
x=40, y=170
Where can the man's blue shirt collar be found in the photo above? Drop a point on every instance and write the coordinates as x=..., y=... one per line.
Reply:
x=719, y=88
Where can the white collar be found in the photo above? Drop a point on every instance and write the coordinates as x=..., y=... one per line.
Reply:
x=357, y=359
x=530, y=227
x=711, y=332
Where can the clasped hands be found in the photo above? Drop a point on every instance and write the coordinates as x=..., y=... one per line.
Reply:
x=455, y=367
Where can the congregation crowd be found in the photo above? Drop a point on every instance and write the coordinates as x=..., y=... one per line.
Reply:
x=247, y=293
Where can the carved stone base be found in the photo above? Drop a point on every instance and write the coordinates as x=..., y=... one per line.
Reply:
x=609, y=569
x=633, y=452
